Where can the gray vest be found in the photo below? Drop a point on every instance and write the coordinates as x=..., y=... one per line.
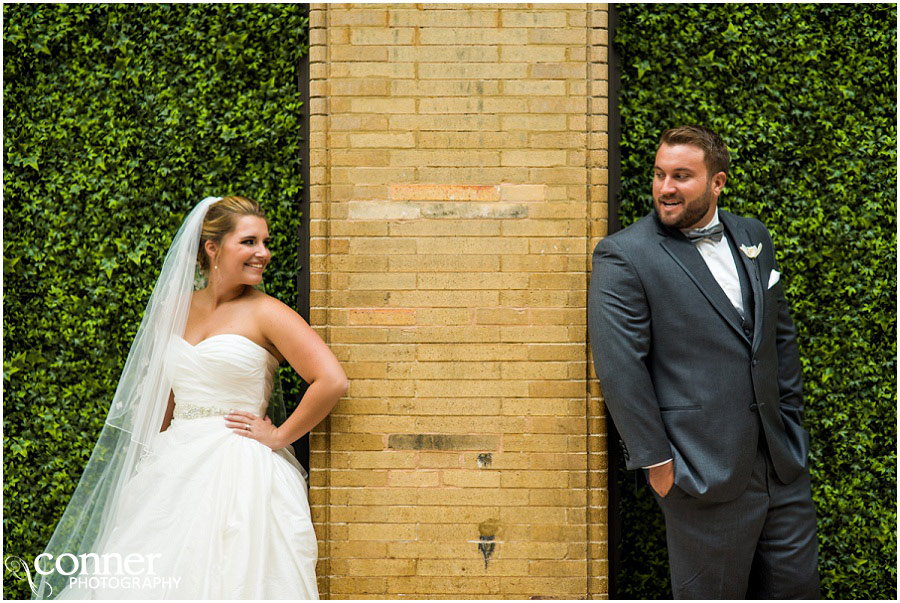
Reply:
x=746, y=289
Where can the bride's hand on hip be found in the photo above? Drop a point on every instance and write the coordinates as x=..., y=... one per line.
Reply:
x=250, y=426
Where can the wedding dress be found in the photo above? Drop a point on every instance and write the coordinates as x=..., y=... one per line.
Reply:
x=224, y=516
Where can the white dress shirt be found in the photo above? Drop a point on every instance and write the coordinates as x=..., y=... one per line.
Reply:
x=720, y=262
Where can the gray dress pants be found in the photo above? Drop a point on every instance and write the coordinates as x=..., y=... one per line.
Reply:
x=762, y=545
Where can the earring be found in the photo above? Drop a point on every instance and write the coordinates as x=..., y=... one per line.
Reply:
x=217, y=266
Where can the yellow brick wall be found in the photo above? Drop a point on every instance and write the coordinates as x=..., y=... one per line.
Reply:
x=458, y=186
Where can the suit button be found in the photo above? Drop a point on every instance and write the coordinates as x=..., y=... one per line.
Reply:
x=755, y=361
x=747, y=331
x=753, y=407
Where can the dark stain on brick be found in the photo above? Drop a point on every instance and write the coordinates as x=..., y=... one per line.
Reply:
x=484, y=460
x=474, y=210
x=487, y=532
x=486, y=546
x=436, y=441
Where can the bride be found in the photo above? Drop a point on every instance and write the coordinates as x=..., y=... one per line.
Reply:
x=192, y=491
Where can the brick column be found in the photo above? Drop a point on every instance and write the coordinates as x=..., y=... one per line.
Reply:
x=321, y=248
x=458, y=187
x=598, y=193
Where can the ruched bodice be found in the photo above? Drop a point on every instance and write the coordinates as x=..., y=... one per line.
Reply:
x=222, y=373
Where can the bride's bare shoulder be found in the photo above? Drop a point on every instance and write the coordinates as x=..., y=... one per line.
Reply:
x=268, y=307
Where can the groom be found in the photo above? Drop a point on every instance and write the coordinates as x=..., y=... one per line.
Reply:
x=697, y=358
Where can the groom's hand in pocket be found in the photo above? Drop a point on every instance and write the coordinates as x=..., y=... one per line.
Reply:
x=662, y=478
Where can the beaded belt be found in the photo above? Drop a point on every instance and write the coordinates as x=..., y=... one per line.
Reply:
x=195, y=411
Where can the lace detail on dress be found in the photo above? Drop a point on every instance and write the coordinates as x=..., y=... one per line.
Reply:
x=195, y=411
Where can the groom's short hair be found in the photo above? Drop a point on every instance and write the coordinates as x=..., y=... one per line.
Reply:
x=715, y=151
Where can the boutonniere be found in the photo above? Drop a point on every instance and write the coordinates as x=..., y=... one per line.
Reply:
x=752, y=252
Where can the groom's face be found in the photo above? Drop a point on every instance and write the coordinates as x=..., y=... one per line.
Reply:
x=684, y=195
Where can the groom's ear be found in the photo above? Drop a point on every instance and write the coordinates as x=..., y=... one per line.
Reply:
x=718, y=182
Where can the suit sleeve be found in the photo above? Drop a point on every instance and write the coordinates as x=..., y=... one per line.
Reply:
x=619, y=326
x=790, y=378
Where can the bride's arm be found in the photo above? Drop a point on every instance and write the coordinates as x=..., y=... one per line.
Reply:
x=307, y=354
x=170, y=410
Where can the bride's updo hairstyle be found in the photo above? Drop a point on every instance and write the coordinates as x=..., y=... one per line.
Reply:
x=221, y=219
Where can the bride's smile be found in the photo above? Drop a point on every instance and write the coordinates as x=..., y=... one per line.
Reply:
x=244, y=252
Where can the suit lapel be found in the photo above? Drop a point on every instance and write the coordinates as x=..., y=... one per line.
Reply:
x=689, y=259
x=741, y=236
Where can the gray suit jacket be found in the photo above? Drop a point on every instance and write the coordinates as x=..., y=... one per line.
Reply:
x=679, y=375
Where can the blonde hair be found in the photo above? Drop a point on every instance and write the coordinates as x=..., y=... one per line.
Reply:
x=221, y=218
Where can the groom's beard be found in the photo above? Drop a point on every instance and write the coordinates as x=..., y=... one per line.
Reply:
x=693, y=209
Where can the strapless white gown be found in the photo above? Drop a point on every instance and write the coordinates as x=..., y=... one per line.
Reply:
x=227, y=516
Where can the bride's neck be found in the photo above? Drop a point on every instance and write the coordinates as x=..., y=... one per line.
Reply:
x=218, y=295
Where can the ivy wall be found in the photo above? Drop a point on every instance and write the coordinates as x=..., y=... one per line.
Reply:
x=117, y=120
x=805, y=96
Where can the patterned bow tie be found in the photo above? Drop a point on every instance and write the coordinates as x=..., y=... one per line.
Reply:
x=710, y=232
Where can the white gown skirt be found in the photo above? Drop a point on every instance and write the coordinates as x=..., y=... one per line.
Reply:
x=213, y=515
